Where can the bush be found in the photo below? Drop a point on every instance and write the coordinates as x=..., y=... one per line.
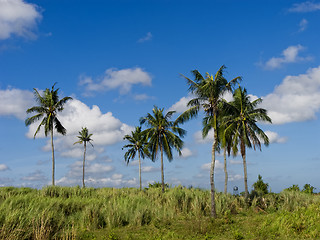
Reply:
x=293, y=188
x=307, y=188
x=260, y=188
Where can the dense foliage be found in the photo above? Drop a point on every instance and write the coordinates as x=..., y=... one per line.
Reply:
x=179, y=213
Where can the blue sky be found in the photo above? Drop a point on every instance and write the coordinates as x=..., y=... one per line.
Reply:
x=118, y=59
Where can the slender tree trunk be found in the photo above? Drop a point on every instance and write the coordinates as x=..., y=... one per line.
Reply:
x=213, y=203
x=243, y=154
x=162, y=171
x=245, y=176
x=52, y=147
x=84, y=160
x=140, y=170
x=225, y=171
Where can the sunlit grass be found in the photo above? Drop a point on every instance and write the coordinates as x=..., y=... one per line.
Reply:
x=179, y=213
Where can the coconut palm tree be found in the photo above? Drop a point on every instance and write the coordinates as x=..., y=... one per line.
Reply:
x=138, y=144
x=84, y=137
x=242, y=125
x=49, y=106
x=208, y=93
x=161, y=135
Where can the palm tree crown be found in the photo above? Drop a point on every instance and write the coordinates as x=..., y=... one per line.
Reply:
x=138, y=144
x=161, y=135
x=84, y=137
x=49, y=106
x=241, y=123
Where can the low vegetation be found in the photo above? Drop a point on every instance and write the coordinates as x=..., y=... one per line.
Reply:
x=178, y=213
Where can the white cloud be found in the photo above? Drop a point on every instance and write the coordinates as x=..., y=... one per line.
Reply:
x=186, y=152
x=233, y=178
x=142, y=97
x=106, y=130
x=15, y=102
x=18, y=18
x=207, y=166
x=122, y=79
x=134, y=163
x=117, y=176
x=116, y=180
x=3, y=167
x=181, y=105
x=93, y=171
x=148, y=37
x=199, y=139
x=296, y=99
x=308, y=6
x=303, y=25
x=235, y=162
x=275, y=138
x=149, y=169
x=289, y=55
x=36, y=176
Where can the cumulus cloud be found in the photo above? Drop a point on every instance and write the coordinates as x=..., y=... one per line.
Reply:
x=15, y=102
x=91, y=169
x=3, y=167
x=207, y=166
x=106, y=129
x=36, y=176
x=181, y=105
x=95, y=176
x=275, y=138
x=289, y=55
x=18, y=18
x=199, y=139
x=149, y=169
x=308, y=6
x=186, y=152
x=233, y=178
x=122, y=79
x=146, y=38
x=303, y=25
x=296, y=99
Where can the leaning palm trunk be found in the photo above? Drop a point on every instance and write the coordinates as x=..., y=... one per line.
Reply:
x=162, y=171
x=52, y=147
x=84, y=159
x=140, y=170
x=225, y=171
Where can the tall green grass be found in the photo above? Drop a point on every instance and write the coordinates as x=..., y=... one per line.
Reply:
x=69, y=212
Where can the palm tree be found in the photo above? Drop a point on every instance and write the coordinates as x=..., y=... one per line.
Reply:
x=49, y=106
x=84, y=137
x=242, y=125
x=208, y=93
x=161, y=135
x=138, y=144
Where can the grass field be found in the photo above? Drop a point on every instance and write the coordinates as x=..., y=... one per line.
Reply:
x=179, y=213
